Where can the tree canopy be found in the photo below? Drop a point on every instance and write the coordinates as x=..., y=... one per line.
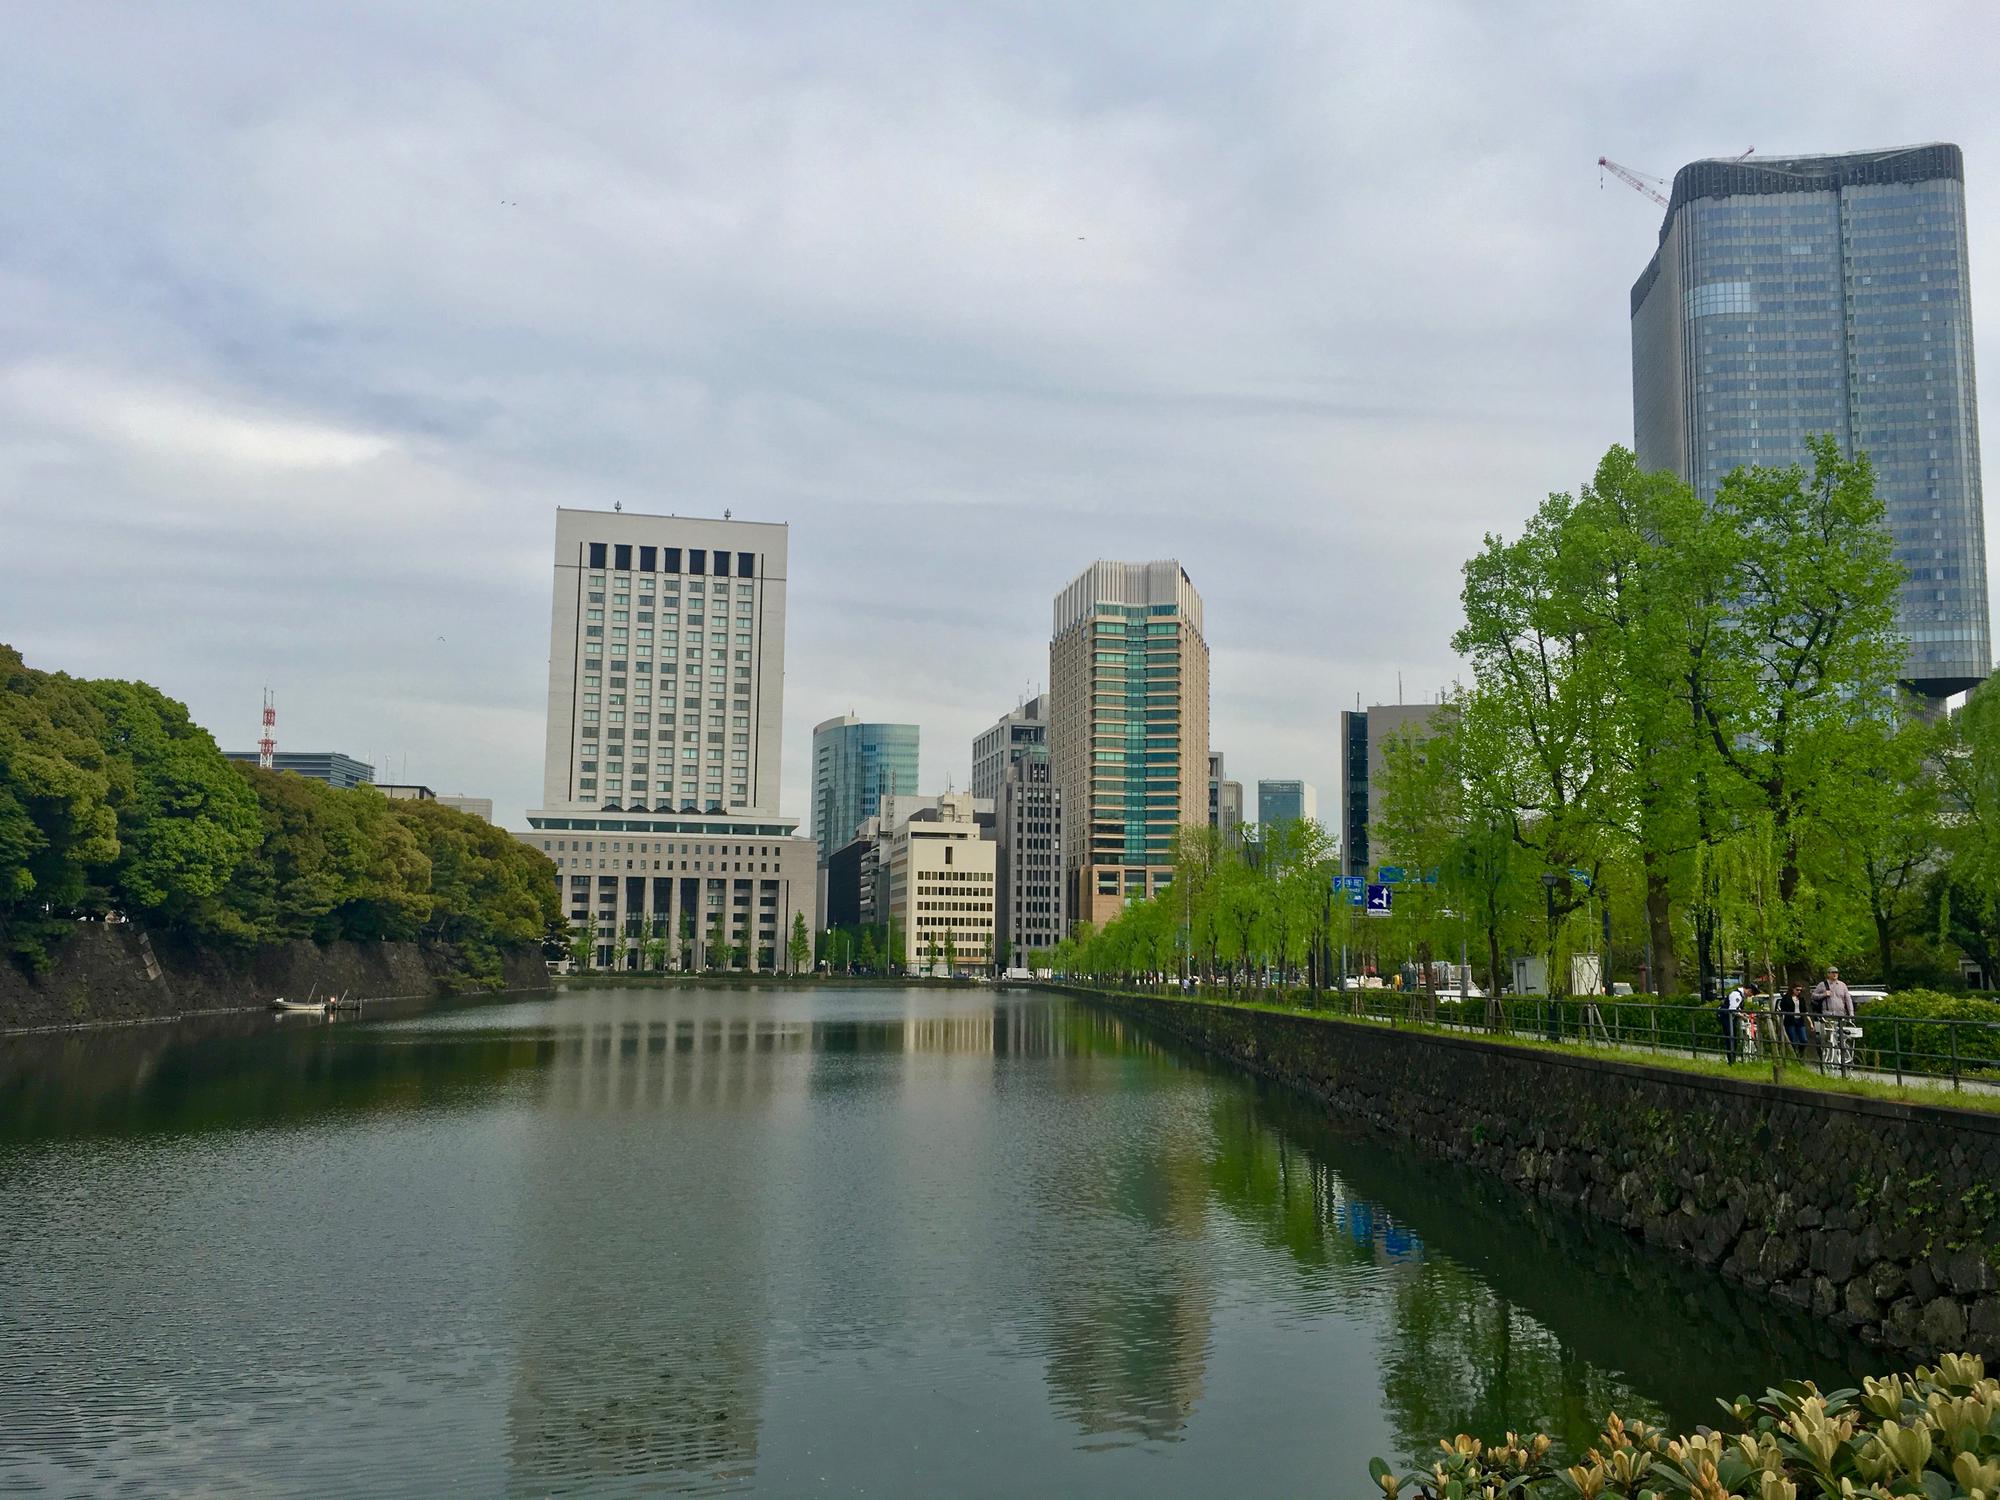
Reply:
x=113, y=801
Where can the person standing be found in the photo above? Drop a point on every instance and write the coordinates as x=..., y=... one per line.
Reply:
x=1732, y=1016
x=1792, y=1010
x=1835, y=1006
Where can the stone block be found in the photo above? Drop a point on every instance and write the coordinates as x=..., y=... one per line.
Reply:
x=1886, y=1279
x=1943, y=1324
x=1969, y=1272
x=1837, y=1255
x=1860, y=1303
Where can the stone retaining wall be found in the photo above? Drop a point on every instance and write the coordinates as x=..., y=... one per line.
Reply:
x=1877, y=1216
x=107, y=972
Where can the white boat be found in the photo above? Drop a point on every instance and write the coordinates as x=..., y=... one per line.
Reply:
x=315, y=1007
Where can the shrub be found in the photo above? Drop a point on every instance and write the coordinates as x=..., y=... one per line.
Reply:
x=1934, y=1435
x=1893, y=1032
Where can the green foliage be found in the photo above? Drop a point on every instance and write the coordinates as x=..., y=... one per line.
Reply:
x=1934, y=1435
x=185, y=818
x=800, y=948
x=57, y=821
x=1694, y=706
x=1894, y=1034
x=112, y=800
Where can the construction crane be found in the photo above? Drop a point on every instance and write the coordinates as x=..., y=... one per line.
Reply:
x=1642, y=182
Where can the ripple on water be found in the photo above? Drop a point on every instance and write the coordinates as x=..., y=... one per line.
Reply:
x=721, y=1242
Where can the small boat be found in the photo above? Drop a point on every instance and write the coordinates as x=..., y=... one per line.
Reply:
x=313, y=1007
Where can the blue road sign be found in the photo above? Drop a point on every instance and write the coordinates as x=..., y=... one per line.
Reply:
x=1379, y=897
x=1390, y=874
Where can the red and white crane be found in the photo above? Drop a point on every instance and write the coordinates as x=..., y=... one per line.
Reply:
x=1641, y=182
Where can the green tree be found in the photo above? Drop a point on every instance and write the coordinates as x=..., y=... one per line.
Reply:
x=57, y=822
x=1806, y=666
x=186, y=820
x=801, y=945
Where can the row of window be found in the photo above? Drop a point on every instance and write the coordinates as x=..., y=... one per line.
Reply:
x=623, y=558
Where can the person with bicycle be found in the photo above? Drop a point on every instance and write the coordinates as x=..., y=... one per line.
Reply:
x=1835, y=1007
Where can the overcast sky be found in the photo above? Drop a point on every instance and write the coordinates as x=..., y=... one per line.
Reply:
x=310, y=316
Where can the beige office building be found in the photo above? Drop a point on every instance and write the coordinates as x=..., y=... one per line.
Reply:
x=665, y=714
x=941, y=872
x=1128, y=730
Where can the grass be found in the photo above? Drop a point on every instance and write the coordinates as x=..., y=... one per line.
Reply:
x=1790, y=1074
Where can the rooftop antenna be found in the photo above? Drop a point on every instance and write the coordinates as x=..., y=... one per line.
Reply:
x=1399, y=689
x=725, y=513
x=618, y=505
x=267, y=743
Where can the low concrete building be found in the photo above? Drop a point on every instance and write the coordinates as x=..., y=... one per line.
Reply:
x=330, y=766
x=478, y=807
x=942, y=873
x=405, y=791
x=632, y=884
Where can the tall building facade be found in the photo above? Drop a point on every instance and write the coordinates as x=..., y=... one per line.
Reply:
x=666, y=663
x=1797, y=296
x=1225, y=799
x=665, y=712
x=1364, y=734
x=1286, y=802
x=1024, y=732
x=856, y=765
x=1033, y=901
x=1128, y=731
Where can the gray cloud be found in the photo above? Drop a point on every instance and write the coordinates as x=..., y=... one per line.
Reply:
x=313, y=314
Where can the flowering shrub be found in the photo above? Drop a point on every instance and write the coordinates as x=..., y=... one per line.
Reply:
x=1933, y=1435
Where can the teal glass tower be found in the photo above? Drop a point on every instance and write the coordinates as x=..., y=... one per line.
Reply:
x=856, y=765
x=1794, y=296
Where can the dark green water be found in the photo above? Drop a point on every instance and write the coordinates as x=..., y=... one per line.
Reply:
x=846, y=1242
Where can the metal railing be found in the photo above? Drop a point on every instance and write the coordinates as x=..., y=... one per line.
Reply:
x=1964, y=1053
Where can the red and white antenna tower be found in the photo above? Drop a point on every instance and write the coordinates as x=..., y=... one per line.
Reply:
x=267, y=745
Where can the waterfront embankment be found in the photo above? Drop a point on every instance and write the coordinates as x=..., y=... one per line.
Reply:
x=1876, y=1215
x=112, y=972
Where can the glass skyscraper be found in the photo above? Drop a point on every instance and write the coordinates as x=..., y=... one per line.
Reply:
x=1827, y=294
x=856, y=765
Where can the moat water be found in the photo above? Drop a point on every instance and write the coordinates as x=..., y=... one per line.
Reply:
x=842, y=1241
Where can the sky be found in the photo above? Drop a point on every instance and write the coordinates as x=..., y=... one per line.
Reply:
x=312, y=314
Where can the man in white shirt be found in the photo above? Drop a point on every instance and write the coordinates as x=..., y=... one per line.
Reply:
x=1732, y=1016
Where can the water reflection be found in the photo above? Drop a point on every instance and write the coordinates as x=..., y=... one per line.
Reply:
x=905, y=1242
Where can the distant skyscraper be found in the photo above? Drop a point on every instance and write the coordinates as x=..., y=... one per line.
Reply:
x=1363, y=735
x=856, y=765
x=1225, y=799
x=1827, y=294
x=1128, y=729
x=1286, y=802
x=1028, y=827
x=1024, y=732
x=666, y=700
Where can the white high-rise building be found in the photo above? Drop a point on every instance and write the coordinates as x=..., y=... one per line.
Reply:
x=666, y=663
x=665, y=715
